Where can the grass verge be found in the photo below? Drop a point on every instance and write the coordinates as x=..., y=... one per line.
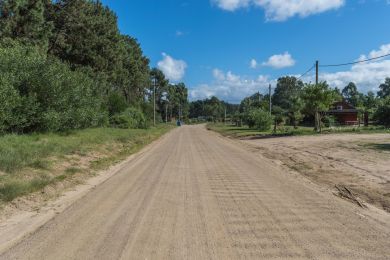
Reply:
x=29, y=163
x=246, y=132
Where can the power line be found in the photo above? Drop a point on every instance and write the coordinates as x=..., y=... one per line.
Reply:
x=356, y=62
x=304, y=74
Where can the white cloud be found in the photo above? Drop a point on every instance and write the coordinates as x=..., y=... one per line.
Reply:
x=383, y=50
x=230, y=87
x=233, y=88
x=367, y=76
x=173, y=69
x=253, y=64
x=281, y=10
x=280, y=61
x=218, y=74
x=232, y=5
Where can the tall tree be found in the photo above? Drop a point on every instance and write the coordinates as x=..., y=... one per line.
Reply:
x=287, y=96
x=318, y=99
x=384, y=89
x=86, y=34
x=351, y=94
x=25, y=20
x=135, y=71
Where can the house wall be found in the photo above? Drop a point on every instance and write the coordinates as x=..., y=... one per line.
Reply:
x=347, y=118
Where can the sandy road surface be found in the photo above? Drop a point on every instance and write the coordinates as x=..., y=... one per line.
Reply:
x=196, y=195
x=352, y=160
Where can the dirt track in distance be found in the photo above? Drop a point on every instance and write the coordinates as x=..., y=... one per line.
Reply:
x=196, y=195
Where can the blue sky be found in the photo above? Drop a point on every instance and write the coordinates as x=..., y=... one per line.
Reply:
x=233, y=48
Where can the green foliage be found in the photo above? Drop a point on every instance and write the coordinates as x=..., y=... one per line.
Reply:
x=25, y=20
x=318, y=98
x=16, y=188
x=19, y=153
x=116, y=103
x=256, y=101
x=64, y=65
x=329, y=121
x=43, y=94
x=352, y=95
x=258, y=119
x=384, y=89
x=130, y=118
x=382, y=115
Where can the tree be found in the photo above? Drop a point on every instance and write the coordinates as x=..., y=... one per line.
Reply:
x=86, y=34
x=384, y=89
x=318, y=98
x=351, y=94
x=258, y=119
x=287, y=96
x=256, y=101
x=178, y=100
x=25, y=21
x=278, y=116
x=135, y=71
x=382, y=114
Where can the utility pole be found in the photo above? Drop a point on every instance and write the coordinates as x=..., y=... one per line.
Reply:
x=166, y=113
x=317, y=118
x=154, y=81
x=225, y=115
x=180, y=112
x=270, y=99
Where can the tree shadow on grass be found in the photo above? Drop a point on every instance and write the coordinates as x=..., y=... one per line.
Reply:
x=383, y=147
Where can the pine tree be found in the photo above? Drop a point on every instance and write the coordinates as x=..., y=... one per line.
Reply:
x=25, y=20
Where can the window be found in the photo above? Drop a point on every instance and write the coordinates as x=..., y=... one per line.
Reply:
x=339, y=107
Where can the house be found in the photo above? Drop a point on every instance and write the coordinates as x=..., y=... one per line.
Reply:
x=344, y=113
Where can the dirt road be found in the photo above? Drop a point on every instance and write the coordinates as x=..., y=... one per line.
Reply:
x=357, y=161
x=196, y=195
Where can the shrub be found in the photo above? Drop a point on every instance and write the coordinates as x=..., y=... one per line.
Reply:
x=116, y=104
x=43, y=94
x=259, y=120
x=382, y=115
x=130, y=118
x=329, y=121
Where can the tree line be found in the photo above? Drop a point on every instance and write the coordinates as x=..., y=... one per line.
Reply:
x=65, y=65
x=296, y=103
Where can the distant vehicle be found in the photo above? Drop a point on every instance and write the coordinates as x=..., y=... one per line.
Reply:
x=178, y=123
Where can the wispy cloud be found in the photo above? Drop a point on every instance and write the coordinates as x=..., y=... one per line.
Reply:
x=367, y=76
x=253, y=64
x=281, y=10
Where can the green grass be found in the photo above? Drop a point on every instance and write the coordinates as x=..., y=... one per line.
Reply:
x=242, y=132
x=9, y=190
x=18, y=153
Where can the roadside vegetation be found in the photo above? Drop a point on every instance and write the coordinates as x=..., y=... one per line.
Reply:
x=76, y=95
x=297, y=109
x=247, y=132
x=64, y=65
x=29, y=163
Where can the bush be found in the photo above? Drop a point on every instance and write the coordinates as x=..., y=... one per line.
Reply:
x=382, y=115
x=116, y=104
x=131, y=118
x=259, y=120
x=43, y=94
x=329, y=121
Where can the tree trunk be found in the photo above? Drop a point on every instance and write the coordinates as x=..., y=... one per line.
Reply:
x=317, y=122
